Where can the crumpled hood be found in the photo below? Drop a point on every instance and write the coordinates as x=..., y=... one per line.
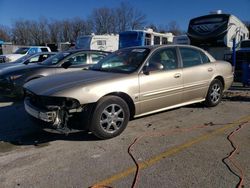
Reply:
x=51, y=85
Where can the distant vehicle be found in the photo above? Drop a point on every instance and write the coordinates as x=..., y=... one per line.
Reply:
x=13, y=78
x=143, y=38
x=20, y=52
x=217, y=30
x=29, y=59
x=242, y=59
x=98, y=42
x=181, y=39
x=131, y=82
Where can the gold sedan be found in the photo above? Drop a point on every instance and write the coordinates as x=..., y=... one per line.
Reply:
x=128, y=83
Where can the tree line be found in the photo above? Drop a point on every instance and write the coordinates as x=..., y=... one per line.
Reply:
x=100, y=21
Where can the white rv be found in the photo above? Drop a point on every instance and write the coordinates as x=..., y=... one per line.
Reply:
x=98, y=42
x=181, y=39
x=215, y=33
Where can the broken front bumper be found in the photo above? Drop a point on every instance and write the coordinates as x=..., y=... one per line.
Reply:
x=47, y=116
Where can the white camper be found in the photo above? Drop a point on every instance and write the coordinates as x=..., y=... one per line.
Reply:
x=98, y=42
x=181, y=39
x=215, y=33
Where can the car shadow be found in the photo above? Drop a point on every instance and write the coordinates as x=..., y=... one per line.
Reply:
x=43, y=138
x=16, y=128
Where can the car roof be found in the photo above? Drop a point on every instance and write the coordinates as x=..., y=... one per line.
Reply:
x=83, y=50
x=151, y=47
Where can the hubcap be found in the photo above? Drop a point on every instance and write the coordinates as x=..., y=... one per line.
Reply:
x=215, y=93
x=112, y=118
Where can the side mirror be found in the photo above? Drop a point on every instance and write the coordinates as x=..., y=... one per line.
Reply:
x=66, y=64
x=152, y=67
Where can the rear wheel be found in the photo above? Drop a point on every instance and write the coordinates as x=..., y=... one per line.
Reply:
x=110, y=117
x=214, y=94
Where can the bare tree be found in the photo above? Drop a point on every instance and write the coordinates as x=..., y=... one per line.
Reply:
x=174, y=28
x=5, y=33
x=128, y=18
x=21, y=33
x=103, y=20
x=54, y=31
x=79, y=27
x=137, y=20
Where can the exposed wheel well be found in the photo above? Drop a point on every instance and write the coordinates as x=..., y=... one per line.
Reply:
x=127, y=99
x=221, y=79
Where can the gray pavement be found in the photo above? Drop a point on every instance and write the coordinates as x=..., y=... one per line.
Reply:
x=188, y=154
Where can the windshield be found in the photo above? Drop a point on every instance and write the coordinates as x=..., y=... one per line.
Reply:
x=22, y=59
x=130, y=38
x=83, y=42
x=123, y=61
x=21, y=51
x=55, y=59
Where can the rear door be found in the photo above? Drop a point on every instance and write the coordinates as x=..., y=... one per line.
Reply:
x=197, y=73
x=161, y=87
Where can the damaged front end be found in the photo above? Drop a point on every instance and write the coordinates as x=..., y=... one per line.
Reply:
x=56, y=111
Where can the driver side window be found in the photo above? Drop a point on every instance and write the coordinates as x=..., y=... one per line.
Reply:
x=164, y=59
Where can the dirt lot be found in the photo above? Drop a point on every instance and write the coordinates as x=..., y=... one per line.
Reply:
x=184, y=147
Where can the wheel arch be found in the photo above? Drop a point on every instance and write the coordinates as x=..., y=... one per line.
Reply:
x=220, y=78
x=127, y=99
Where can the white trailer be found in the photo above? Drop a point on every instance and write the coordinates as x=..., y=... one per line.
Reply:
x=181, y=39
x=98, y=42
x=216, y=32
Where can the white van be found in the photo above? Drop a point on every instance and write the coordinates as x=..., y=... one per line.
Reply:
x=98, y=42
x=23, y=51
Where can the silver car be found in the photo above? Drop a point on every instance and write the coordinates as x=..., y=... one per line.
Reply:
x=129, y=83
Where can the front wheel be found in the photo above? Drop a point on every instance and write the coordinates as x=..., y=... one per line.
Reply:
x=214, y=94
x=110, y=117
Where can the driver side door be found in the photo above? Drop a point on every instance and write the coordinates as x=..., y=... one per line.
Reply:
x=161, y=87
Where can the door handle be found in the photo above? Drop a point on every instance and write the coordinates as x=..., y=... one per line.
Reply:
x=177, y=75
x=210, y=69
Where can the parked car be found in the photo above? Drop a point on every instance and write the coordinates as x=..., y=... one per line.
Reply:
x=13, y=78
x=29, y=59
x=129, y=83
x=20, y=52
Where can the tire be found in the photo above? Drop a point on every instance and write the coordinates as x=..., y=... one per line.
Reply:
x=214, y=94
x=110, y=117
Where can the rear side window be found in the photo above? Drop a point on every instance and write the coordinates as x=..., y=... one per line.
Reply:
x=204, y=57
x=165, y=57
x=190, y=57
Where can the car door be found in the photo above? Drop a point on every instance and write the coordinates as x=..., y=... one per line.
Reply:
x=197, y=73
x=161, y=83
